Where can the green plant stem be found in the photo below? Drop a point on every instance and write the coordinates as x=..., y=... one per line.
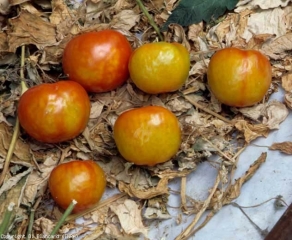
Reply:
x=16, y=127
x=63, y=218
x=6, y=220
x=30, y=224
x=150, y=19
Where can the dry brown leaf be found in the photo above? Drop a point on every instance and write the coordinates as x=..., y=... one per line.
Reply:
x=254, y=112
x=96, y=109
x=257, y=41
x=126, y=19
x=27, y=29
x=285, y=147
x=131, y=189
x=156, y=213
x=275, y=113
x=27, y=6
x=176, y=33
x=279, y=47
x=5, y=6
x=22, y=150
x=37, y=182
x=263, y=4
x=251, y=131
x=65, y=19
x=287, y=82
x=233, y=191
x=130, y=217
x=11, y=192
x=43, y=226
x=3, y=43
x=288, y=100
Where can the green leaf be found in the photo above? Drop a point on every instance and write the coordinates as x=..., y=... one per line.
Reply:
x=194, y=11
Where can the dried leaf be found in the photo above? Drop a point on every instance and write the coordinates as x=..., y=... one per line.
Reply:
x=157, y=208
x=233, y=191
x=11, y=192
x=43, y=226
x=22, y=150
x=279, y=47
x=130, y=217
x=263, y=4
x=126, y=19
x=275, y=113
x=28, y=28
x=255, y=112
x=285, y=147
x=287, y=82
x=251, y=131
x=288, y=100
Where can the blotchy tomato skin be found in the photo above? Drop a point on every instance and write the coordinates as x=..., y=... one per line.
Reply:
x=98, y=60
x=147, y=135
x=83, y=181
x=54, y=112
x=238, y=77
x=159, y=67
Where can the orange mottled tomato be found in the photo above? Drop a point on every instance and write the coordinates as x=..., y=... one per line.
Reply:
x=147, y=135
x=238, y=77
x=159, y=67
x=98, y=60
x=54, y=112
x=83, y=181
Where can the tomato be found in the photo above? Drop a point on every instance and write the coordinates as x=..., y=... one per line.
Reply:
x=54, y=112
x=83, y=181
x=147, y=135
x=98, y=60
x=159, y=67
x=238, y=77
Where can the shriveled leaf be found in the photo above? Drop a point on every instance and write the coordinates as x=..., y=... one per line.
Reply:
x=254, y=112
x=288, y=100
x=275, y=113
x=37, y=182
x=234, y=190
x=12, y=191
x=252, y=131
x=130, y=217
x=65, y=19
x=287, y=82
x=263, y=4
x=125, y=19
x=194, y=11
x=28, y=28
x=5, y=6
x=157, y=208
x=160, y=189
x=285, y=147
x=43, y=226
x=279, y=47
x=21, y=152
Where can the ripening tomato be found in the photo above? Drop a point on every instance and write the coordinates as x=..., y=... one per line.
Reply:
x=83, y=181
x=54, y=112
x=159, y=67
x=98, y=60
x=239, y=78
x=147, y=135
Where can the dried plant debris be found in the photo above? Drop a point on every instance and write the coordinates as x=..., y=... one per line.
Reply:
x=208, y=128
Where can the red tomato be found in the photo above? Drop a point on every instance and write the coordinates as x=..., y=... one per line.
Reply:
x=147, y=135
x=239, y=78
x=98, y=60
x=54, y=112
x=159, y=67
x=83, y=181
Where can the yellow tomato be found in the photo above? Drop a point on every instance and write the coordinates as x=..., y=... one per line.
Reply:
x=159, y=67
